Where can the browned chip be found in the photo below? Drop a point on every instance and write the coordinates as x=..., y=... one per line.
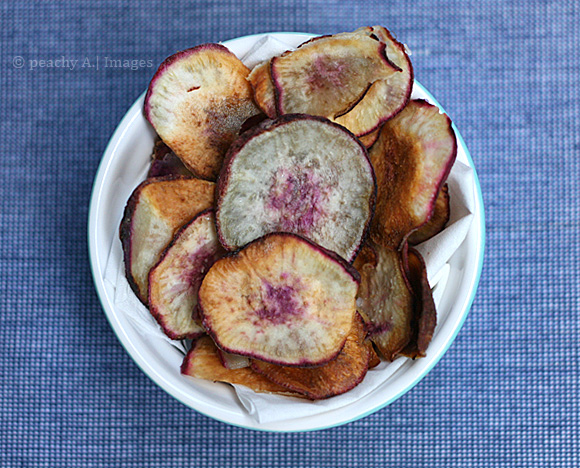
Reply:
x=281, y=299
x=411, y=159
x=334, y=378
x=437, y=222
x=197, y=102
x=263, y=88
x=386, y=301
x=374, y=360
x=202, y=361
x=424, y=314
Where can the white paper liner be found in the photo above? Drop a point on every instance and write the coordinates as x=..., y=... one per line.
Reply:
x=436, y=252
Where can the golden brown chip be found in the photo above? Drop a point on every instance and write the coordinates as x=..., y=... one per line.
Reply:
x=155, y=211
x=263, y=88
x=334, y=378
x=411, y=159
x=437, y=222
x=202, y=361
x=197, y=102
x=370, y=139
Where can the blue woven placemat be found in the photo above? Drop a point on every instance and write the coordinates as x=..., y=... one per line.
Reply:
x=505, y=394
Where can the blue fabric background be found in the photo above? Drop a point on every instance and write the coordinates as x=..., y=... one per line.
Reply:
x=505, y=394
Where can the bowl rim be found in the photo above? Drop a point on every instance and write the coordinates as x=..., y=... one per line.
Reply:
x=104, y=163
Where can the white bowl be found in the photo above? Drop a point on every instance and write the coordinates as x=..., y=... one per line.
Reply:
x=124, y=166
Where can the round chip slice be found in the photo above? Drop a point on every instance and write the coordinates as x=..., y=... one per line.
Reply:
x=175, y=280
x=197, y=102
x=281, y=299
x=299, y=174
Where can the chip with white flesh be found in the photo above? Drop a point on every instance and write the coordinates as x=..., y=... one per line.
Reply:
x=438, y=220
x=202, y=362
x=281, y=299
x=197, y=102
x=155, y=211
x=385, y=300
x=335, y=378
x=263, y=88
x=299, y=174
x=412, y=159
x=175, y=280
x=348, y=78
x=424, y=312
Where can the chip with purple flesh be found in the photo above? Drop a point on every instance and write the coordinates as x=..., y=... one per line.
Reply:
x=299, y=174
x=281, y=299
x=175, y=280
x=355, y=79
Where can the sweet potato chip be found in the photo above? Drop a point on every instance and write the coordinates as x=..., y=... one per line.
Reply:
x=281, y=299
x=386, y=97
x=424, y=314
x=386, y=302
x=197, y=102
x=341, y=77
x=337, y=377
x=175, y=280
x=263, y=88
x=202, y=361
x=299, y=174
x=155, y=211
x=437, y=223
x=412, y=159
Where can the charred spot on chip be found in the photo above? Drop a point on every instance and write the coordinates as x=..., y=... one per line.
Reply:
x=299, y=174
x=281, y=299
x=197, y=102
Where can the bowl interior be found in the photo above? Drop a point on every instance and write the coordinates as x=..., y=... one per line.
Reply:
x=124, y=166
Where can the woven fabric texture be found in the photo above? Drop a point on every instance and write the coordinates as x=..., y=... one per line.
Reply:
x=506, y=392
